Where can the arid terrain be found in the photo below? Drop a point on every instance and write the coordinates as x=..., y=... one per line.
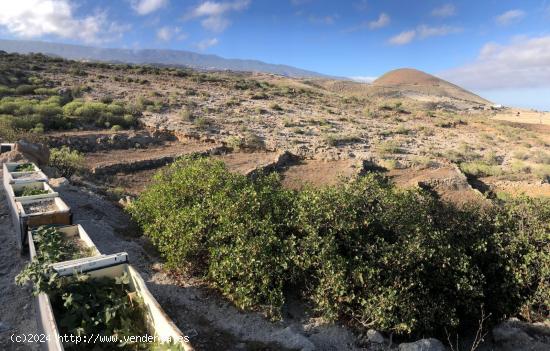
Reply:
x=411, y=126
x=405, y=120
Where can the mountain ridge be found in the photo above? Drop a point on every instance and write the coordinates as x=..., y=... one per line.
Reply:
x=153, y=56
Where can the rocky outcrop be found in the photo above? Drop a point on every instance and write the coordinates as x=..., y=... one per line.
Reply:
x=27, y=152
x=37, y=153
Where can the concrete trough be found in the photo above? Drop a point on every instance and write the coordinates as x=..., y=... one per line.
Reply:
x=13, y=176
x=27, y=214
x=15, y=190
x=158, y=323
x=73, y=232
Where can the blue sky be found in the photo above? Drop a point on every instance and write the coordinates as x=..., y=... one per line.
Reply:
x=500, y=49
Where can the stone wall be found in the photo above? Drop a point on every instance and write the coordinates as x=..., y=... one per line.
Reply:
x=91, y=142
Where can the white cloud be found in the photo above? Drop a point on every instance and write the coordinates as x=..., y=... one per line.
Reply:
x=382, y=21
x=168, y=33
x=213, y=13
x=443, y=11
x=363, y=79
x=329, y=19
x=510, y=17
x=145, y=7
x=427, y=31
x=422, y=32
x=522, y=63
x=37, y=18
x=205, y=44
x=403, y=37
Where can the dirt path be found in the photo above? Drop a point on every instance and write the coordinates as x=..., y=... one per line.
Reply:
x=17, y=307
x=218, y=324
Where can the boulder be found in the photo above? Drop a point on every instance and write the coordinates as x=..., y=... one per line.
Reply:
x=58, y=182
x=510, y=331
x=423, y=345
x=38, y=153
x=12, y=156
x=375, y=336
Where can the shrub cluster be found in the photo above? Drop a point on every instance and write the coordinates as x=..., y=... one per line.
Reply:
x=361, y=251
x=66, y=161
x=53, y=113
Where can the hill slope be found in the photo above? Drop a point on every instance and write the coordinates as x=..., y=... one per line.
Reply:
x=414, y=83
x=152, y=56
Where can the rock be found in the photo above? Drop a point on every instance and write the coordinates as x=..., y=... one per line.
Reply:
x=294, y=340
x=38, y=153
x=12, y=156
x=58, y=182
x=4, y=327
x=430, y=344
x=509, y=331
x=375, y=336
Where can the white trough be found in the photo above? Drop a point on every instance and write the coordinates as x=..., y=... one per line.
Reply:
x=112, y=266
x=12, y=175
x=16, y=191
x=74, y=231
x=32, y=213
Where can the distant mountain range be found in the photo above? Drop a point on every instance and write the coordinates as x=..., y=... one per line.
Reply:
x=152, y=56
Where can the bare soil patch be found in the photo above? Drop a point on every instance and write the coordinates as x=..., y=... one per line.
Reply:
x=318, y=172
x=517, y=188
x=525, y=116
x=98, y=159
x=245, y=162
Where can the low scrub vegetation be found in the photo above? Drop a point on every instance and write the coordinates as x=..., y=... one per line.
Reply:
x=66, y=161
x=362, y=251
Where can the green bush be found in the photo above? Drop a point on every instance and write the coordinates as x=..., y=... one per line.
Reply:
x=481, y=169
x=66, y=161
x=362, y=251
x=24, y=89
x=234, y=234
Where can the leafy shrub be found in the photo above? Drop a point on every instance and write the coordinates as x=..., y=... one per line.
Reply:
x=234, y=234
x=24, y=89
x=363, y=251
x=45, y=91
x=66, y=161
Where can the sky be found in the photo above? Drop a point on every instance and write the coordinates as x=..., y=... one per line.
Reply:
x=499, y=49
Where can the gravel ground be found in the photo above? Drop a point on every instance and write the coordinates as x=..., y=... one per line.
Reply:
x=17, y=313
